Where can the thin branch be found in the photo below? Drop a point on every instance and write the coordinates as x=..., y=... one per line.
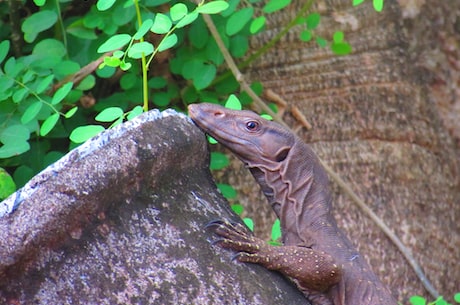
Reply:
x=335, y=177
x=78, y=76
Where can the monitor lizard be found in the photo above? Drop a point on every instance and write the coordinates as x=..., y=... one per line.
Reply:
x=315, y=253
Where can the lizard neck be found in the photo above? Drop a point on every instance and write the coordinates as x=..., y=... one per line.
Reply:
x=297, y=189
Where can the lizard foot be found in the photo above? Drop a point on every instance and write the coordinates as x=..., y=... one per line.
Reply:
x=311, y=269
x=235, y=237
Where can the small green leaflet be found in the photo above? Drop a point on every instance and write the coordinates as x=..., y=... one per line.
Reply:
x=233, y=103
x=162, y=24
x=167, y=42
x=141, y=48
x=178, y=11
x=31, y=112
x=218, y=161
x=143, y=29
x=213, y=7
x=109, y=114
x=61, y=93
x=103, y=5
x=4, y=48
x=275, y=5
x=83, y=133
x=249, y=223
x=114, y=42
x=49, y=124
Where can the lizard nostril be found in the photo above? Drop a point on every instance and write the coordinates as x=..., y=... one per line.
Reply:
x=219, y=114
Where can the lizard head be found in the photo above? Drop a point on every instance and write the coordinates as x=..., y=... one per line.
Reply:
x=252, y=138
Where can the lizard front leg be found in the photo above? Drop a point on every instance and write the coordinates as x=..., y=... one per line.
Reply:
x=312, y=270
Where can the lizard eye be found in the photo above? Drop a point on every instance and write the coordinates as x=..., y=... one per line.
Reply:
x=252, y=125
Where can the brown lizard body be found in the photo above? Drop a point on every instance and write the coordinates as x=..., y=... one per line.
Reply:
x=315, y=252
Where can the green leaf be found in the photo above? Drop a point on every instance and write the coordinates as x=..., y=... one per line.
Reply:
x=275, y=5
x=161, y=99
x=168, y=42
x=237, y=208
x=238, y=20
x=257, y=24
x=266, y=116
x=143, y=29
x=4, y=48
x=83, y=133
x=79, y=30
x=321, y=42
x=204, y=79
x=70, y=113
x=50, y=49
x=378, y=5
x=211, y=140
x=128, y=81
x=227, y=190
x=342, y=48
x=189, y=18
x=109, y=114
x=313, y=20
x=135, y=112
x=103, y=5
x=28, y=76
x=37, y=23
x=140, y=48
x=357, y=2
x=239, y=45
x=162, y=24
x=338, y=37
x=49, y=124
x=457, y=297
x=7, y=185
x=233, y=103
x=44, y=84
x=199, y=34
x=276, y=230
x=31, y=112
x=232, y=5
x=114, y=42
x=218, y=161
x=178, y=11
x=112, y=61
x=213, y=7
x=14, y=133
x=87, y=83
x=20, y=94
x=61, y=93
x=417, y=300
x=14, y=149
x=249, y=223
x=306, y=36
x=125, y=66
x=12, y=67
x=39, y=2
x=157, y=82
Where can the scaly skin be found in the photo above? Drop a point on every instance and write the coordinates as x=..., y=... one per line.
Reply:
x=315, y=253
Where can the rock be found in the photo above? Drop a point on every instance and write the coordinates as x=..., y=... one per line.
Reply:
x=121, y=220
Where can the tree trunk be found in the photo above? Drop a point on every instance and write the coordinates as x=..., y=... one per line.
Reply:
x=375, y=121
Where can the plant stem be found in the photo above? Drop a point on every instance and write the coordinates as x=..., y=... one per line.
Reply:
x=61, y=24
x=145, y=88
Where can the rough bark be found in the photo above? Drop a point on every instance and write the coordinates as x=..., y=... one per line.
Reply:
x=121, y=220
x=376, y=123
